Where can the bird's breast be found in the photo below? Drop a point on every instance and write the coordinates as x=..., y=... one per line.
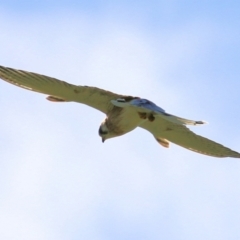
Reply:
x=122, y=120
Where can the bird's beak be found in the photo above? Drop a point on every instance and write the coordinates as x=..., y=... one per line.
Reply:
x=103, y=140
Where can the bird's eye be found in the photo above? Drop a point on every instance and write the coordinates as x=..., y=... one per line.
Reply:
x=101, y=132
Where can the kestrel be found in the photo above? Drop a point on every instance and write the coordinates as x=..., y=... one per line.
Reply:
x=123, y=113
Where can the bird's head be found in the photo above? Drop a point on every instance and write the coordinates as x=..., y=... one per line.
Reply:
x=104, y=132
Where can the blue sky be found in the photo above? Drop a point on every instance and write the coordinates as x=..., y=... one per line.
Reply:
x=57, y=179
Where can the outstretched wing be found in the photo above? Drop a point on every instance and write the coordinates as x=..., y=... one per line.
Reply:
x=165, y=131
x=60, y=91
x=169, y=128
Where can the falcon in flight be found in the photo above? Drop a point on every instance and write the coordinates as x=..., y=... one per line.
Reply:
x=123, y=113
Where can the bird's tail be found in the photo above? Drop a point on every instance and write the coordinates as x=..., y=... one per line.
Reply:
x=179, y=120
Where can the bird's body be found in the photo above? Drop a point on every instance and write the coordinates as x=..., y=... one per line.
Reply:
x=123, y=113
x=122, y=120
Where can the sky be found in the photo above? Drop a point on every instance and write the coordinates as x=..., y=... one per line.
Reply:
x=59, y=181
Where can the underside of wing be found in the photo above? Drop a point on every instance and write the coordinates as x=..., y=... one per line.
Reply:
x=58, y=90
x=181, y=135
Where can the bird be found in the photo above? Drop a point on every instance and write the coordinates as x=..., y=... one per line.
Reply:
x=123, y=113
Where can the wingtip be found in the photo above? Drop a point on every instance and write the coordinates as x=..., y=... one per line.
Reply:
x=235, y=154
